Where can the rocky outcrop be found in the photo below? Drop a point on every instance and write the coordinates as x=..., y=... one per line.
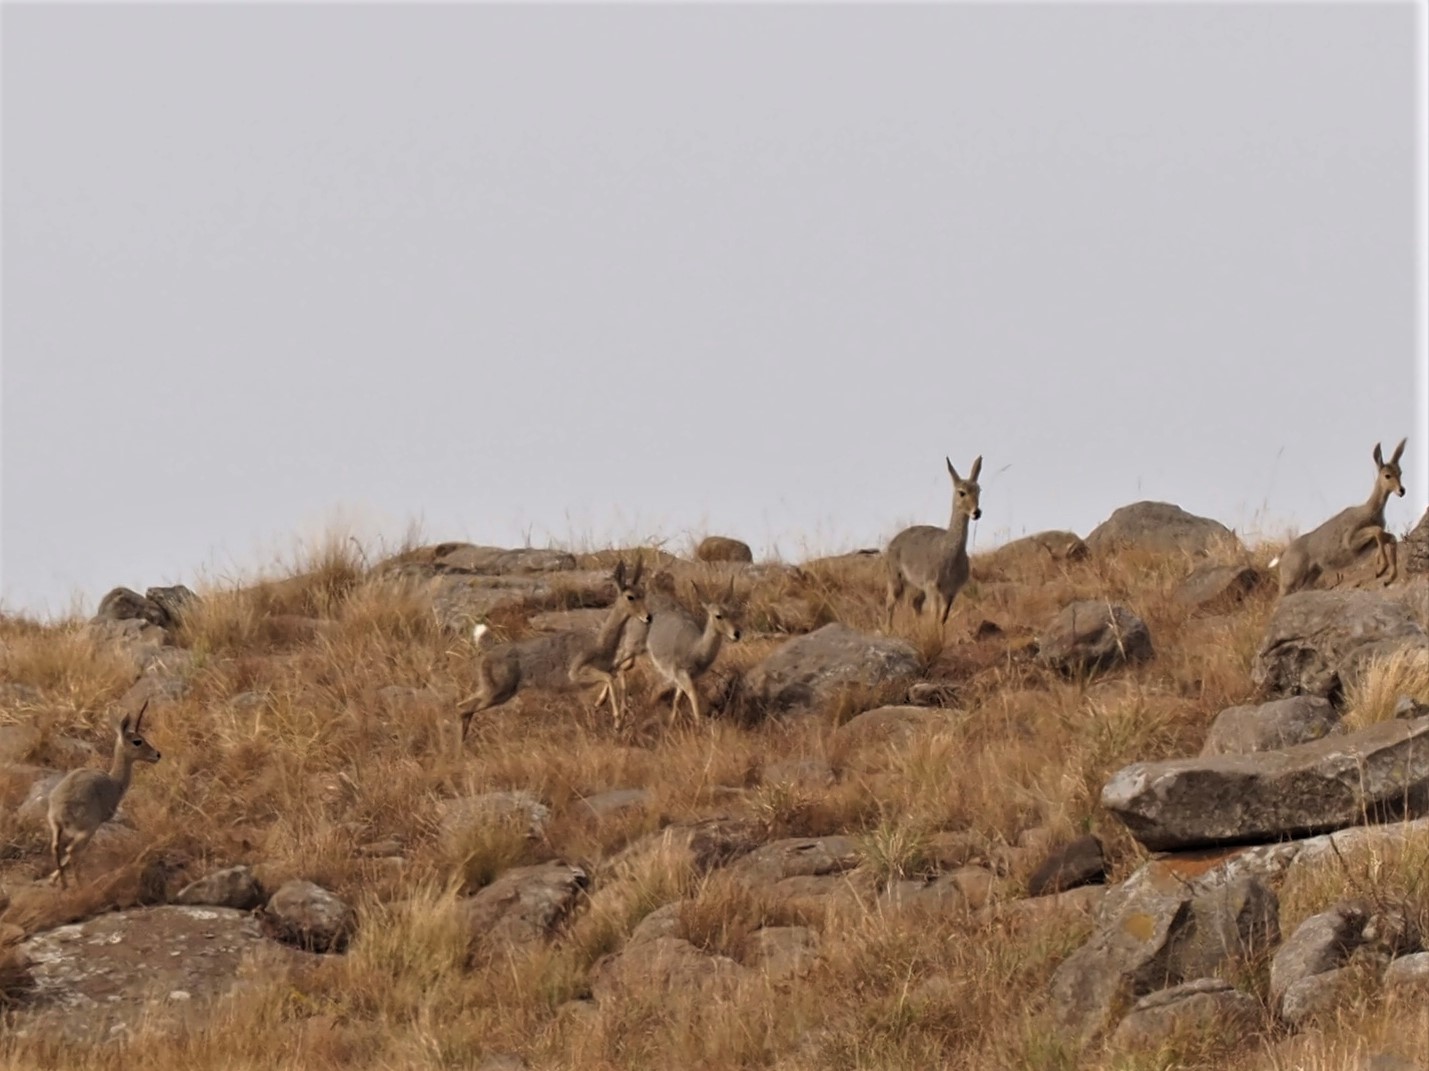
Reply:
x=1056, y=545
x=1377, y=773
x=135, y=638
x=723, y=549
x=1307, y=975
x=124, y=604
x=885, y=725
x=1213, y=587
x=700, y=846
x=307, y=915
x=524, y=904
x=1091, y=635
x=1156, y=935
x=1317, y=641
x=782, y=952
x=234, y=887
x=811, y=670
x=1200, y=1006
x=797, y=857
x=1278, y=724
x=1408, y=972
x=466, y=583
x=474, y=560
x=156, y=967
x=173, y=602
x=1414, y=551
x=1161, y=527
x=664, y=965
x=464, y=819
x=938, y=894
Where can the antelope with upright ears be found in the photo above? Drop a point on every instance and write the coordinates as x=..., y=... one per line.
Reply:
x=85, y=799
x=1338, y=543
x=934, y=561
x=562, y=661
x=681, y=649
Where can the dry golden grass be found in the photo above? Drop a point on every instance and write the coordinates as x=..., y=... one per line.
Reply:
x=292, y=750
x=1377, y=688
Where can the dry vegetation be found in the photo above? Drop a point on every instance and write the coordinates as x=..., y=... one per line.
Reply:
x=315, y=763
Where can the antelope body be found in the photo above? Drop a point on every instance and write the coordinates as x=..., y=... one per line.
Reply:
x=934, y=561
x=85, y=799
x=1338, y=543
x=681, y=648
x=560, y=662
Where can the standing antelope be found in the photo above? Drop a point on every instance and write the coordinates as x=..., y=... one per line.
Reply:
x=85, y=799
x=1337, y=543
x=681, y=650
x=935, y=560
x=558, y=662
x=659, y=597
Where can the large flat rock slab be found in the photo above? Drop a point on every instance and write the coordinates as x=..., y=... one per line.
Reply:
x=1328, y=784
x=153, y=966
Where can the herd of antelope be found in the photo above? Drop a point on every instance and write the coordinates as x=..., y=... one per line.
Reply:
x=928, y=561
x=931, y=561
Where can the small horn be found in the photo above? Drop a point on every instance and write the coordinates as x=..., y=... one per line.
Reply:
x=139, y=718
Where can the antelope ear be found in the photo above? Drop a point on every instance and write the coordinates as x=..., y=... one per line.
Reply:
x=977, y=467
x=1378, y=455
x=619, y=573
x=952, y=471
x=1398, y=450
x=639, y=571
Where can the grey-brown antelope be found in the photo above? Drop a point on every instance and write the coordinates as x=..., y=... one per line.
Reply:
x=934, y=561
x=659, y=596
x=85, y=799
x=562, y=661
x=681, y=648
x=1338, y=543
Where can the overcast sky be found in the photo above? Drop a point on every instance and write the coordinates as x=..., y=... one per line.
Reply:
x=577, y=274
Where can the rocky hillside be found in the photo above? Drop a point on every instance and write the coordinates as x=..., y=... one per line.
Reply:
x=1130, y=810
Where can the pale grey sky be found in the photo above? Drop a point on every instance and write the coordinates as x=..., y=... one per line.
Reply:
x=606, y=272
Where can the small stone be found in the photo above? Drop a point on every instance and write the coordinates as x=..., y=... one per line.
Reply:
x=307, y=915
x=234, y=887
